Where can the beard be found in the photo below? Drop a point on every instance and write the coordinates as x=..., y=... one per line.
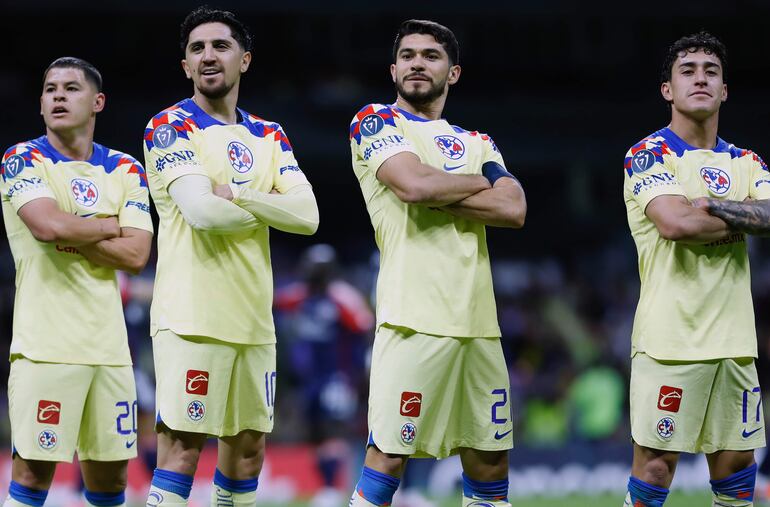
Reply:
x=217, y=91
x=420, y=97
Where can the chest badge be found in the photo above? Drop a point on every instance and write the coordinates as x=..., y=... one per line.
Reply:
x=85, y=192
x=450, y=146
x=240, y=156
x=717, y=180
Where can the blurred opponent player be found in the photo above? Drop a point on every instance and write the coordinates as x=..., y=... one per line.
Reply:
x=75, y=212
x=694, y=385
x=439, y=383
x=219, y=176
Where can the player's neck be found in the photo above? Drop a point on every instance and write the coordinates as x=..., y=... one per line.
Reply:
x=75, y=144
x=698, y=133
x=222, y=109
x=431, y=111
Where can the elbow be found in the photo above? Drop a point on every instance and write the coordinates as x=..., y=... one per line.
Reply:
x=414, y=195
x=517, y=217
x=45, y=233
x=672, y=231
x=137, y=263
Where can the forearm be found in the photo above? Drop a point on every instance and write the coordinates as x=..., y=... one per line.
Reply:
x=437, y=188
x=127, y=253
x=500, y=206
x=295, y=212
x=698, y=229
x=752, y=217
x=66, y=229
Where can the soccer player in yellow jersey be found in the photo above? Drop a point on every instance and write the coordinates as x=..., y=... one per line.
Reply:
x=439, y=383
x=219, y=177
x=694, y=385
x=75, y=212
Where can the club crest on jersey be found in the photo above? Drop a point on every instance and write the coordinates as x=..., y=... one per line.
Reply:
x=240, y=156
x=717, y=180
x=13, y=166
x=669, y=398
x=47, y=439
x=411, y=403
x=164, y=136
x=408, y=433
x=48, y=412
x=666, y=428
x=197, y=382
x=450, y=146
x=85, y=192
x=371, y=124
x=196, y=410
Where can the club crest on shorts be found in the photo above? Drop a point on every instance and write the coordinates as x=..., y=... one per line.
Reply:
x=411, y=403
x=240, y=156
x=669, y=398
x=450, y=146
x=196, y=410
x=408, y=433
x=197, y=382
x=48, y=412
x=717, y=180
x=47, y=439
x=666, y=428
x=85, y=192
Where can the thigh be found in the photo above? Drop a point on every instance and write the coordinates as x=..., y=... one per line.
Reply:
x=669, y=402
x=734, y=419
x=108, y=428
x=192, y=382
x=251, y=398
x=46, y=403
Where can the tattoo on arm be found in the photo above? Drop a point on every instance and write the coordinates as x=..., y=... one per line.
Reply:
x=749, y=217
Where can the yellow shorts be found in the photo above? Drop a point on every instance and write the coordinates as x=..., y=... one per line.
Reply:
x=56, y=409
x=693, y=407
x=213, y=387
x=431, y=395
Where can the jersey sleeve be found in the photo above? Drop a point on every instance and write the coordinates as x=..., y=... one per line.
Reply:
x=23, y=176
x=760, y=178
x=648, y=174
x=169, y=149
x=491, y=153
x=376, y=135
x=135, y=211
x=287, y=173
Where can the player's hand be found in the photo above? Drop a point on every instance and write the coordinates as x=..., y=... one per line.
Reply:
x=223, y=191
x=110, y=226
x=703, y=203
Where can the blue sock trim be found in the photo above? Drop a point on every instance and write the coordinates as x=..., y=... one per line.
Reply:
x=492, y=490
x=376, y=487
x=370, y=440
x=173, y=482
x=27, y=495
x=649, y=495
x=244, y=486
x=740, y=485
x=105, y=499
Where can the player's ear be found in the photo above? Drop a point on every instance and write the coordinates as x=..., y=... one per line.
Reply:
x=454, y=74
x=186, y=69
x=245, y=61
x=665, y=90
x=724, y=93
x=99, y=101
x=393, y=71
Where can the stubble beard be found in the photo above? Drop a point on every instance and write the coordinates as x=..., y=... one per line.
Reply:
x=421, y=97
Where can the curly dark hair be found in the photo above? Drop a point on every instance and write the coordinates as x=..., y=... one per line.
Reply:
x=70, y=62
x=691, y=44
x=442, y=34
x=205, y=14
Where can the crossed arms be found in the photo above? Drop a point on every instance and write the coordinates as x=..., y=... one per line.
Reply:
x=464, y=195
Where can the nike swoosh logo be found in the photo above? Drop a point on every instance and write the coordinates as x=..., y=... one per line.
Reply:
x=747, y=434
x=452, y=167
x=88, y=215
x=499, y=435
x=240, y=182
x=130, y=444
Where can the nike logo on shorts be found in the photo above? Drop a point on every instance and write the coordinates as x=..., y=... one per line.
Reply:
x=130, y=444
x=747, y=434
x=499, y=436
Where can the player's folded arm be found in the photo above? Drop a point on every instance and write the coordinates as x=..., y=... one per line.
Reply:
x=49, y=224
x=204, y=211
x=129, y=252
x=416, y=183
x=678, y=220
x=749, y=216
x=503, y=205
x=295, y=211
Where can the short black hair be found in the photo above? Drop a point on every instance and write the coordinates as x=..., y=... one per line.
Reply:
x=701, y=41
x=70, y=62
x=205, y=14
x=442, y=34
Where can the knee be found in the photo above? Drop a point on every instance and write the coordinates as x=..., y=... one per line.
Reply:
x=390, y=464
x=658, y=472
x=251, y=461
